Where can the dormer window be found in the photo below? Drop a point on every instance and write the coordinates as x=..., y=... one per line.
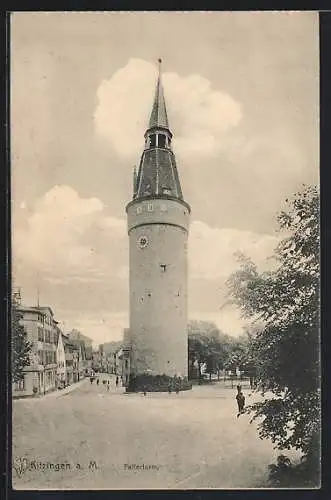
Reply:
x=166, y=191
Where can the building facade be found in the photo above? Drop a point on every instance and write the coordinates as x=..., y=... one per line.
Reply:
x=40, y=376
x=61, y=363
x=158, y=227
x=109, y=356
x=69, y=349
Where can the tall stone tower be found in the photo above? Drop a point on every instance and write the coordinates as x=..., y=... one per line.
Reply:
x=158, y=225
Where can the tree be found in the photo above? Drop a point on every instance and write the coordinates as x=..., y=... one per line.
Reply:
x=21, y=348
x=208, y=346
x=286, y=350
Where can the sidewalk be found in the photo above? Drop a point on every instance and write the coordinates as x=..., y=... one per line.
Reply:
x=62, y=392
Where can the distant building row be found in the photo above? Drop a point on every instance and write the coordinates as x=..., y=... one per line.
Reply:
x=56, y=360
x=113, y=357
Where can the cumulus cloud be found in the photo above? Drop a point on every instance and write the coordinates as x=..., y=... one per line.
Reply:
x=199, y=115
x=71, y=241
x=69, y=238
x=212, y=250
x=104, y=327
x=73, y=238
x=228, y=320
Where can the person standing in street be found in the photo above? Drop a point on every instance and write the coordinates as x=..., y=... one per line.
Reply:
x=240, y=401
x=117, y=380
x=108, y=385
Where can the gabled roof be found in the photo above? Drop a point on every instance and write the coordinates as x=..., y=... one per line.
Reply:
x=111, y=347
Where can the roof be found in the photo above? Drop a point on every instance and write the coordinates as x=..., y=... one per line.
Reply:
x=158, y=174
x=159, y=117
x=68, y=342
x=111, y=347
x=45, y=309
x=77, y=335
x=35, y=309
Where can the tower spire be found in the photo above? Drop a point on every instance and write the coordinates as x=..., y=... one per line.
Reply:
x=159, y=117
x=157, y=174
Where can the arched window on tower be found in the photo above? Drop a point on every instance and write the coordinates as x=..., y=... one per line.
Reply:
x=162, y=141
x=152, y=141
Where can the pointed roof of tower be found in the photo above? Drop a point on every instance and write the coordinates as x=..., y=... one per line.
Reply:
x=157, y=175
x=159, y=116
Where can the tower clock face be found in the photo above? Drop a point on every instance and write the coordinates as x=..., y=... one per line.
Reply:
x=142, y=241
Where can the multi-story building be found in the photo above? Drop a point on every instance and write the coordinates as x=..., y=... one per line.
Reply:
x=96, y=361
x=75, y=365
x=80, y=363
x=109, y=356
x=42, y=332
x=69, y=349
x=61, y=362
x=84, y=345
x=124, y=358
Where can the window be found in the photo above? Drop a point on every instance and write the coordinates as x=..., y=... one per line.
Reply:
x=20, y=385
x=47, y=336
x=40, y=334
x=152, y=141
x=166, y=191
x=139, y=210
x=41, y=356
x=150, y=207
x=162, y=141
x=148, y=190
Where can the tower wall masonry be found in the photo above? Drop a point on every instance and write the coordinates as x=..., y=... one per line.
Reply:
x=158, y=232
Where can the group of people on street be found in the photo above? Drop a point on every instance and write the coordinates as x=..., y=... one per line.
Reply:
x=240, y=398
x=105, y=382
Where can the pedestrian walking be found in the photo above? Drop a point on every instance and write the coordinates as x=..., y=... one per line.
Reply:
x=240, y=401
x=98, y=381
x=117, y=381
x=108, y=385
x=145, y=391
x=91, y=380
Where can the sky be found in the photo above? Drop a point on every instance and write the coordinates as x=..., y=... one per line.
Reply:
x=242, y=95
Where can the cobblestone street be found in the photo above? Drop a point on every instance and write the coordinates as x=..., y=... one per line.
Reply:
x=114, y=440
